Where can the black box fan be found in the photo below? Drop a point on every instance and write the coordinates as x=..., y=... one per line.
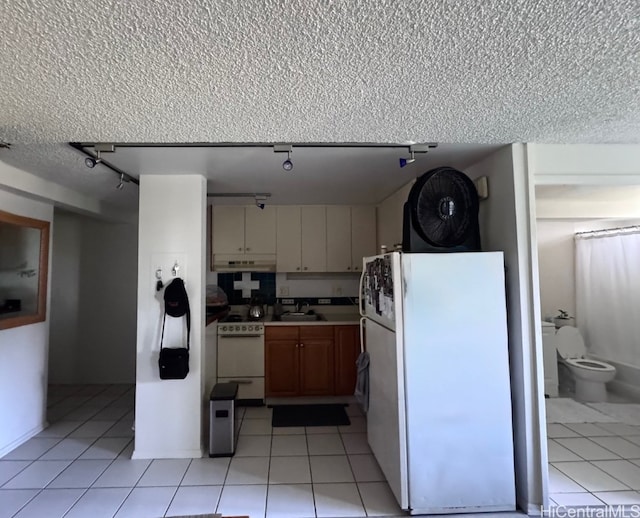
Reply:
x=441, y=213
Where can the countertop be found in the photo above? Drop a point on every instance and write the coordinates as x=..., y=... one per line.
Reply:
x=330, y=319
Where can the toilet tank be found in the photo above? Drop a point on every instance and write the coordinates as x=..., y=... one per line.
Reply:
x=550, y=359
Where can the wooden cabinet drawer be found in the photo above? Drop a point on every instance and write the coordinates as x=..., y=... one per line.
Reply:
x=280, y=332
x=311, y=332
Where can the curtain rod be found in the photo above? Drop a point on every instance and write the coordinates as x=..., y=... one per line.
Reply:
x=634, y=229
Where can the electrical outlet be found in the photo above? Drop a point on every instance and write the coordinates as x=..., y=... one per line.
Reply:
x=287, y=301
x=283, y=291
x=337, y=291
x=324, y=301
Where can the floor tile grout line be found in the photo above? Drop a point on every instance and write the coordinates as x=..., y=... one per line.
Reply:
x=364, y=508
x=313, y=487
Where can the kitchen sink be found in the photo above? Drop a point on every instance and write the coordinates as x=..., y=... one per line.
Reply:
x=300, y=317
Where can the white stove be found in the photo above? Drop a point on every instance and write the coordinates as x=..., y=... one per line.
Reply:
x=240, y=329
x=241, y=357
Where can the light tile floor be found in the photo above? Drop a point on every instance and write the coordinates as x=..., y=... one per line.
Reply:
x=81, y=466
x=594, y=464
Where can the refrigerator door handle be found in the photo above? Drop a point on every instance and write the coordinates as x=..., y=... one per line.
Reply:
x=360, y=294
x=362, y=325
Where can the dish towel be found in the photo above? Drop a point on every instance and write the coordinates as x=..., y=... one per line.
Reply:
x=362, y=382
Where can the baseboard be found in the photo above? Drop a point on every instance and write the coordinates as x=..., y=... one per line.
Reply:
x=624, y=389
x=167, y=454
x=22, y=439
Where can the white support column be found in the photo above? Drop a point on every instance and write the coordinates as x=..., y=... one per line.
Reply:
x=172, y=223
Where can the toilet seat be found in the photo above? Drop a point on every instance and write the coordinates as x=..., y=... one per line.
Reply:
x=569, y=343
x=589, y=364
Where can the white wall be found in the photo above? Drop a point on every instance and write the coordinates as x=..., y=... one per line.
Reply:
x=23, y=354
x=93, y=314
x=171, y=227
x=108, y=312
x=390, y=217
x=65, y=298
x=506, y=225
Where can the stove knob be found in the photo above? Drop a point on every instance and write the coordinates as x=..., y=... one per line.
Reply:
x=224, y=328
x=250, y=328
x=244, y=328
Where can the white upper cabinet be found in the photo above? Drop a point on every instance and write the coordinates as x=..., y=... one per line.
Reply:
x=339, y=238
x=243, y=230
x=288, y=239
x=363, y=234
x=314, y=238
x=260, y=230
x=227, y=230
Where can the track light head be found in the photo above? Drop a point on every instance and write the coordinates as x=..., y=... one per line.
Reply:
x=260, y=201
x=287, y=165
x=123, y=179
x=406, y=161
x=91, y=162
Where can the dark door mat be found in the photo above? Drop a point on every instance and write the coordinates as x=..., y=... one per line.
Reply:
x=309, y=415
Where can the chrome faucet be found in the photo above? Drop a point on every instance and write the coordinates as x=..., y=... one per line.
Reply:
x=300, y=306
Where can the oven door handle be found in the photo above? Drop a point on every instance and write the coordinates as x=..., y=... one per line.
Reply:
x=240, y=336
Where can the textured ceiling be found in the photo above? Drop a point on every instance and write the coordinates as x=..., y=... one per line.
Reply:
x=493, y=71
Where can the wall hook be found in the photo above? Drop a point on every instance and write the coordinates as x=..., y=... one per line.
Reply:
x=159, y=284
x=175, y=269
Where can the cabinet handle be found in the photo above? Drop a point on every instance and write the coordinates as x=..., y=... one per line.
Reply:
x=305, y=268
x=297, y=345
x=239, y=249
x=348, y=268
x=297, y=268
x=301, y=345
x=247, y=249
x=355, y=267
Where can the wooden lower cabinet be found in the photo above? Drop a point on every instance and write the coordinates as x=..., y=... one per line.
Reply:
x=281, y=362
x=346, y=352
x=310, y=360
x=316, y=360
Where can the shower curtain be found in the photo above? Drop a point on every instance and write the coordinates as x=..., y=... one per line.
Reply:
x=608, y=293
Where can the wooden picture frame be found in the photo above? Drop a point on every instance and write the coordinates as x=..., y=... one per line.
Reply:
x=24, y=269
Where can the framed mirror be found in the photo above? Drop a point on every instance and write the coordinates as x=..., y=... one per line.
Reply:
x=24, y=261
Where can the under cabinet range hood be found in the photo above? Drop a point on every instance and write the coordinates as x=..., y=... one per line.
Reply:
x=244, y=262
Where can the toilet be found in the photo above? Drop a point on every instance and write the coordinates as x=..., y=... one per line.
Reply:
x=590, y=375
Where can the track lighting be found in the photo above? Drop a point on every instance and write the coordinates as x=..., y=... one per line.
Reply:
x=260, y=201
x=91, y=162
x=405, y=161
x=122, y=180
x=287, y=165
x=415, y=148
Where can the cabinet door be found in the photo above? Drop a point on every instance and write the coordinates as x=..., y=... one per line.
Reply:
x=281, y=367
x=338, y=238
x=363, y=235
x=347, y=349
x=281, y=360
x=316, y=361
x=260, y=230
x=314, y=238
x=227, y=230
x=288, y=239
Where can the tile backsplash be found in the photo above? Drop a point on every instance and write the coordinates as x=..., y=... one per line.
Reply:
x=239, y=287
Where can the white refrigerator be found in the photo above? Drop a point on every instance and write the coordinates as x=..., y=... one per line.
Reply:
x=439, y=419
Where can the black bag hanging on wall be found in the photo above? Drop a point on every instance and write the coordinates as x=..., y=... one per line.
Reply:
x=174, y=362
